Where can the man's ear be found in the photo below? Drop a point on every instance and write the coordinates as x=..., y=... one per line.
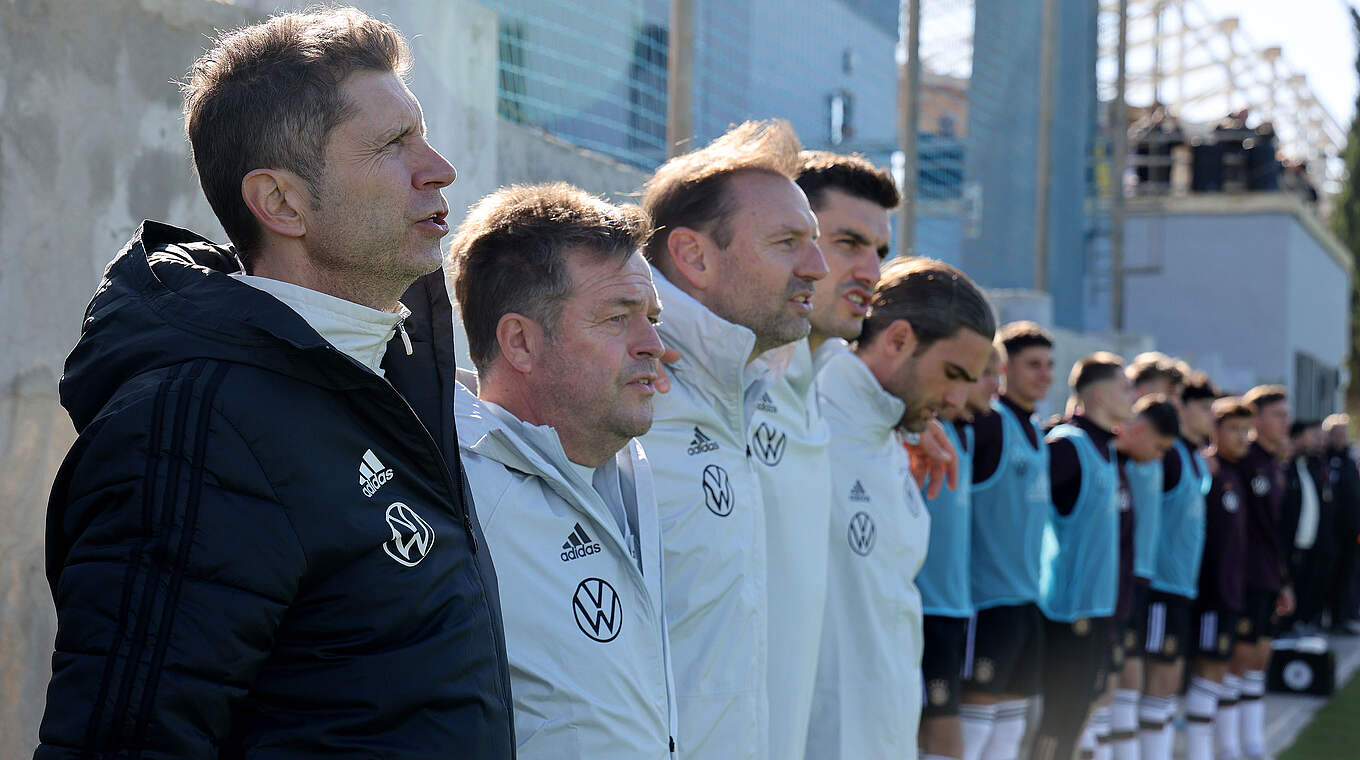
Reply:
x=899, y=338
x=279, y=200
x=693, y=257
x=521, y=341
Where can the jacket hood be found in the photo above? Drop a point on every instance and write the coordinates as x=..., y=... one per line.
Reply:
x=168, y=298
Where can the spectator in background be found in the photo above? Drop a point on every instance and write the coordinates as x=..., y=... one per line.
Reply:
x=1308, y=524
x=1341, y=471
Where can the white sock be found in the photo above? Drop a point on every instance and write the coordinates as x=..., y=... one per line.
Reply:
x=1154, y=715
x=1101, y=727
x=1169, y=730
x=1009, y=731
x=1086, y=745
x=1124, y=725
x=1201, y=702
x=978, y=722
x=1227, y=723
x=1253, y=713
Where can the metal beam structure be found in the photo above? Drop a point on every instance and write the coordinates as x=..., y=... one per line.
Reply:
x=1218, y=69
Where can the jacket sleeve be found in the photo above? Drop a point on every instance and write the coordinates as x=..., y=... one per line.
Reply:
x=171, y=566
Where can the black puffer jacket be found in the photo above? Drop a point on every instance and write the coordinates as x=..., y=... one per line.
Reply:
x=257, y=547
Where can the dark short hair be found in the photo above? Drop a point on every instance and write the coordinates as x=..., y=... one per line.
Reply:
x=851, y=174
x=1095, y=368
x=1297, y=427
x=1160, y=413
x=1018, y=336
x=936, y=299
x=1198, y=386
x=510, y=254
x=1262, y=396
x=693, y=190
x=1231, y=408
x=267, y=96
x=1152, y=366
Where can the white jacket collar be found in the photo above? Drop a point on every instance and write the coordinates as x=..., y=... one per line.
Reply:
x=830, y=348
x=356, y=330
x=490, y=431
x=715, y=354
x=846, y=384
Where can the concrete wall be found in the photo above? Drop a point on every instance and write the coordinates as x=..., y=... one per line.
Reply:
x=91, y=142
x=1237, y=285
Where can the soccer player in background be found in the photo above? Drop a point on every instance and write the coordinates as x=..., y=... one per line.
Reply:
x=1011, y=505
x=944, y=578
x=1240, y=724
x=1079, y=581
x=1142, y=442
x=1175, y=582
x=1222, y=575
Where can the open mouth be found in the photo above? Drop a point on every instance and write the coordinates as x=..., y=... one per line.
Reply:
x=859, y=299
x=802, y=302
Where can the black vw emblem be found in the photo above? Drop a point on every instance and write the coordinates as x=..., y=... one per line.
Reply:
x=599, y=614
x=768, y=444
x=717, y=491
x=862, y=534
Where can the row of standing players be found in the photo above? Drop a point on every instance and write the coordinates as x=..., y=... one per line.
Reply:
x=783, y=584
x=789, y=528
x=1142, y=550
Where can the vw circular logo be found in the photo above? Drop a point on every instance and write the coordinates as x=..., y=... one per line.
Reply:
x=768, y=444
x=862, y=534
x=1260, y=485
x=412, y=537
x=599, y=614
x=1230, y=501
x=717, y=491
x=1298, y=675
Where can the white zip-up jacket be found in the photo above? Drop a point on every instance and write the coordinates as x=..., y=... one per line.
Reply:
x=789, y=445
x=712, y=530
x=582, y=596
x=867, y=704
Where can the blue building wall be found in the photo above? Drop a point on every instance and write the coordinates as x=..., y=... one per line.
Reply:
x=1001, y=157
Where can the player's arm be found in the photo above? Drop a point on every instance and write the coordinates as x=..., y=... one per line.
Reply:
x=171, y=566
x=1064, y=474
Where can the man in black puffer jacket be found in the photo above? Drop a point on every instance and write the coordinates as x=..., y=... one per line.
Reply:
x=261, y=544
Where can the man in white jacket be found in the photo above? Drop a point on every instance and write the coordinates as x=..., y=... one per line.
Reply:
x=851, y=199
x=926, y=338
x=560, y=308
x=736, y=258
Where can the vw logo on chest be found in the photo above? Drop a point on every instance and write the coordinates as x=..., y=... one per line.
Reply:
x=412, y=537
x=862, y=534
x=768, y=444
x=599, y=614
x=718, y=495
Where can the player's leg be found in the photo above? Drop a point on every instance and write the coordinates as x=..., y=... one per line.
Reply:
x=977, y=708
x=1213, y=651
x=941, y=734
x=1009, y=651
x=1168, y=622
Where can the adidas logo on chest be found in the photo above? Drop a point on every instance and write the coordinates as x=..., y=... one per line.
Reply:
x=766, y=404
x=701, y=444
x=373, y=474
x=578, y=545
